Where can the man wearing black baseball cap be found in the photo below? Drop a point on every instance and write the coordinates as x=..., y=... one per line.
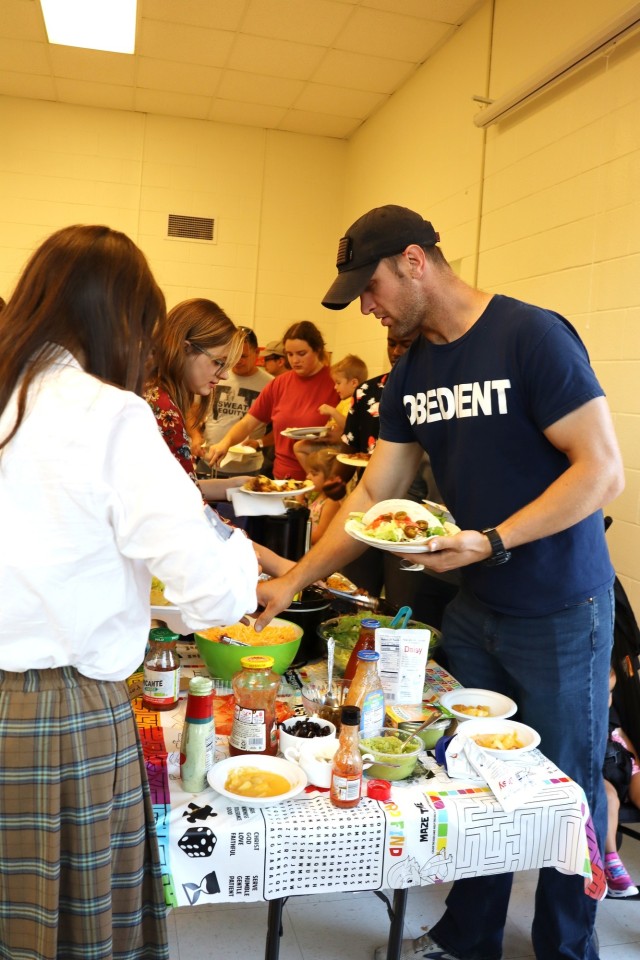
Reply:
x=381, y=233
x=501, y=395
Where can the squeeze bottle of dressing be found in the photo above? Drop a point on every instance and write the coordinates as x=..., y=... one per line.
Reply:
x=366, y=693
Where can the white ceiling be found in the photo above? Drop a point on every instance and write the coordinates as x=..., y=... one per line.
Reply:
x=308, y=66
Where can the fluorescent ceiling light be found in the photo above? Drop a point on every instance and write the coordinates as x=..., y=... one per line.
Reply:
x=94, y=24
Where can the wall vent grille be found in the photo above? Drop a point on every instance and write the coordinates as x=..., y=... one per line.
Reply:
x=191, y=228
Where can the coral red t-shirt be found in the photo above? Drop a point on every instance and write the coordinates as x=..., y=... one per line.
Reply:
x=293, y=401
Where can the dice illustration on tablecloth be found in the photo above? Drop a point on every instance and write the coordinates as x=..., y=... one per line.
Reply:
x=198, y=842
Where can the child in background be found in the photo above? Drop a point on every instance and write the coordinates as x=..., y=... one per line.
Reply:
x=621, y=771
x=322, y=509
x=347, y=375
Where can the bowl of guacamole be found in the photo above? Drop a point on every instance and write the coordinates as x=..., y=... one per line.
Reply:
x=395, y=753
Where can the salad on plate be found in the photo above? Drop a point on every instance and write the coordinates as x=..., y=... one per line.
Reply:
x=400, y=522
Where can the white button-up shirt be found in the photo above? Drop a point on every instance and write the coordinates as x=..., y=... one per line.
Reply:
x=92, y=503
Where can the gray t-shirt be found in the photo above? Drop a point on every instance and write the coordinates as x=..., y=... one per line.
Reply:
x=232, y=400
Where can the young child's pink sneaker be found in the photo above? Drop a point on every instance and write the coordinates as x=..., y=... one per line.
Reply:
x=618, y=880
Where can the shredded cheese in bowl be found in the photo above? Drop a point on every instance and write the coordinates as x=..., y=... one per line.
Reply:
x=269, y=636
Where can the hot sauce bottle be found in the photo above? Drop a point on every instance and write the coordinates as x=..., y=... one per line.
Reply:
x=366, y=641
x=346, y=771
x=255, y=689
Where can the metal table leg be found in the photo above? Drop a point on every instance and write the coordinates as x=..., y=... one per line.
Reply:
x=396, y=915
x=274, y=929
x=394, y=947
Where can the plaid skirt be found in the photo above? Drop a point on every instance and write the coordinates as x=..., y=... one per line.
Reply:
x=80, y=871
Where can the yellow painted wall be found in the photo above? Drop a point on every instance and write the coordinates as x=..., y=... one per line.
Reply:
x=422, y=150
x=545, y=206
x=276, y=198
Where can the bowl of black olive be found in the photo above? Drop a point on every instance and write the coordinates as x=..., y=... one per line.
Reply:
x=305, y=733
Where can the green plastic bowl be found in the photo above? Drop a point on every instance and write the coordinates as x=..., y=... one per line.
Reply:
x=431, y=734
x=393, y=766
x=223, y=659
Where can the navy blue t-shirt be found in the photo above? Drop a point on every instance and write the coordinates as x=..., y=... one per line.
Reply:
x=478, y=406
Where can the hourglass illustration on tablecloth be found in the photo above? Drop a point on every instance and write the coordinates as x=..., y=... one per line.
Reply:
x=208, y=884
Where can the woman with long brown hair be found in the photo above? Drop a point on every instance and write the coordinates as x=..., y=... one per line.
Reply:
x=91, y=505
x=194, y=348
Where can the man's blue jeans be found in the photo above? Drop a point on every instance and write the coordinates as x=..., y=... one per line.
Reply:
x=556, y=668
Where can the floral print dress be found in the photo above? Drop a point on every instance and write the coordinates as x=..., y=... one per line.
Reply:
x=172, y=426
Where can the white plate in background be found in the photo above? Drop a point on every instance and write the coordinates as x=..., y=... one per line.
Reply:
x=353, y=461
x=499, y=706
x=299, y=433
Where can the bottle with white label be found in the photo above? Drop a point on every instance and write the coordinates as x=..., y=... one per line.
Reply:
x=161, y=681
x=366, y=692
x=346, y=770
x=198, y=744
x=255, y=689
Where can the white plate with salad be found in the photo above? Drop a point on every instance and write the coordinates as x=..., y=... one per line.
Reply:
x=399, y=526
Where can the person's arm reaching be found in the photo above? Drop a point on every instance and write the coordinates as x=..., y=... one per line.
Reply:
x=238, y=432
x=593, y=478
x=270, y=562
x=387, y=475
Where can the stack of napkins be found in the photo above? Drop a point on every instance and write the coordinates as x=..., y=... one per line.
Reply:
x=246, y=505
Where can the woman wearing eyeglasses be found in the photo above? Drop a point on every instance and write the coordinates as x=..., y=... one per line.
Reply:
x=194, y=348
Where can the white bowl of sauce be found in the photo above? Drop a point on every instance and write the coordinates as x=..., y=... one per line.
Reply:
x=257, y=781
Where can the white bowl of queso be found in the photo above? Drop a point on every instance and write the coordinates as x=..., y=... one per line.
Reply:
x=229, y=776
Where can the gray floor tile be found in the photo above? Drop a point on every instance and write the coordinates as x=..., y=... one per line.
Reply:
x=350, y=929
x=621, y=952
x=174, y=949
x=216, y=933
x=350, y=926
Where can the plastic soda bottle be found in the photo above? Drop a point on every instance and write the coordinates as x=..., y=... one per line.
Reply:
x=366, y=692
x=255, y=689
x=198, y=744
x=346, y=770
x=161, y=682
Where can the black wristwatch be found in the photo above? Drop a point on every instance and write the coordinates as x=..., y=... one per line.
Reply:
x=498, y=552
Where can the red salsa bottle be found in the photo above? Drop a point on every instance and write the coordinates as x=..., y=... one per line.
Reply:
x=161, y=682
x=255, y=689
x=366, y=641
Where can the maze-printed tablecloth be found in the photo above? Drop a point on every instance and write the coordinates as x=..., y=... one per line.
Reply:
x=432, y=830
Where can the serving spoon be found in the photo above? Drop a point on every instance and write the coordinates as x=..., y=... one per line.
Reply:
x=429, y=722
x=329, y=699
x=414, y=733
